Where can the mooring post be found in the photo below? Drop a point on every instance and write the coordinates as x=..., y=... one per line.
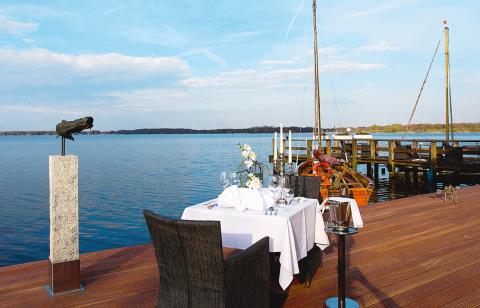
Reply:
x=354, y=154
x=369, y=170
x=391, y=155
x=328, y=149
x=309, y=149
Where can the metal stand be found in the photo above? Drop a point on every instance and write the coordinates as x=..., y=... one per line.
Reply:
x=341, y=301
x=281, y=164
x=63, y=146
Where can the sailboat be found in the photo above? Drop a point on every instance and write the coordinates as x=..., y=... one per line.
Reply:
x=337, y=177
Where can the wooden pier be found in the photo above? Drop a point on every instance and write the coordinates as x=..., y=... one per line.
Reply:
x=411, y=155
x=412, y=252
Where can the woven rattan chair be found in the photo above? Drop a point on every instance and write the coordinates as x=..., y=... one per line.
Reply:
x=306, y=186
x=193, y=272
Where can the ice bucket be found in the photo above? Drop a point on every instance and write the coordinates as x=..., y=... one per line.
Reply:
x=339, y=213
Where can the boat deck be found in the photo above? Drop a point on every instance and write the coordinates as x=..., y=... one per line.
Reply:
x=416, y=251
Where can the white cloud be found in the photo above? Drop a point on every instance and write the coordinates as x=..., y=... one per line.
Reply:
x=15, y=27
x=44, y=110
x=382, y=46
x=44, y=66
x=278, y=62
x=208, y=53
x=167, y=36
x=148, y=99
x=378, y=9
x=266, y=78
x=237, y=36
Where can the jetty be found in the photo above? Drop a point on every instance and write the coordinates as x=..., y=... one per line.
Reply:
x=419, y=251
x=407, y=155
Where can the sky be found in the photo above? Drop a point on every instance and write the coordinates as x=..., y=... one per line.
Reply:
x=233, y=64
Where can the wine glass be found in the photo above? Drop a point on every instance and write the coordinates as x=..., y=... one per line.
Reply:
x=274, y=185
x=224, y=180
x=234, y=179
x=287, y=190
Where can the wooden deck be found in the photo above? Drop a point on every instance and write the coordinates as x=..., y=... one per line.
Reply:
x=418, y=252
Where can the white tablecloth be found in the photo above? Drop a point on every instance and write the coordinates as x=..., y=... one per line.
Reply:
x=293, y=231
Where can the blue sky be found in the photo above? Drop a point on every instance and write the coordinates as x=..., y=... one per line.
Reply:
x=223, y=64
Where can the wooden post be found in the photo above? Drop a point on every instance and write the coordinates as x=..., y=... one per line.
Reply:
x=415, y=176
x=375, y=172
x=328, y=149
x=433, y=154
x=373, y=149
x=414, y=148
x=391, y=155
x=309, y=149
x=369, y=170
x=354, y=154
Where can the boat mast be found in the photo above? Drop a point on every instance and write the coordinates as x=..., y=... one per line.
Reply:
x=317, y=131
x=447, y=85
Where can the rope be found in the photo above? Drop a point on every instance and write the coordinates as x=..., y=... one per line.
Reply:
x=420, y=92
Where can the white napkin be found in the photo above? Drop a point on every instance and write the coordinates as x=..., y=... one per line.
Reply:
x=229, y=197
x=241, y=199
x=250, y=199
x=356, y=217
x=268, y=198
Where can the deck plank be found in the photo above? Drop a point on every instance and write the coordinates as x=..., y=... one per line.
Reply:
x=412, y=252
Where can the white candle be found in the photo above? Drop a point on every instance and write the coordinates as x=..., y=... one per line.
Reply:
x=290, y=147
x=275, y=146
x=281, y=139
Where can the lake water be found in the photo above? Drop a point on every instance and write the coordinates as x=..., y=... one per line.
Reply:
x=120, y=175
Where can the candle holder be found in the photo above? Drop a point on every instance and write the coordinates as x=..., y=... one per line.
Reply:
x=282, y=164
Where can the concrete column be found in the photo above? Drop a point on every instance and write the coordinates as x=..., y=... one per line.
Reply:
x=64, y=262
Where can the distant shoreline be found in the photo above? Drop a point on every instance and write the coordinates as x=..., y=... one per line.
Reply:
x=392, y=128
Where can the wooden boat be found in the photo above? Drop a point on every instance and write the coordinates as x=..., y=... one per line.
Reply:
x=337, y=177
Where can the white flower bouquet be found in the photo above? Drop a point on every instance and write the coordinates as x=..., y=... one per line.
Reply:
x=250, y=169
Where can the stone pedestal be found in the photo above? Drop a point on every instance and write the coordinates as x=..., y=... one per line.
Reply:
x=64, y=262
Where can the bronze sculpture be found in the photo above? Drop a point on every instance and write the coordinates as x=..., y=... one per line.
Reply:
x=65, y=129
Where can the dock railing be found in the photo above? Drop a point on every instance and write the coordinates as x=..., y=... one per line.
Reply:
x=437, y=154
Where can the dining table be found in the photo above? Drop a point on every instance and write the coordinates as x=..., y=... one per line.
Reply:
x=293, y=229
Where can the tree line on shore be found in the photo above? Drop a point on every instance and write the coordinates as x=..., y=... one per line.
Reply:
x=391, y=128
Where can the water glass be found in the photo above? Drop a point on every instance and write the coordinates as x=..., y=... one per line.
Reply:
x=224, y=180
x=274, y=184
x=287, y=190
x=234, y=179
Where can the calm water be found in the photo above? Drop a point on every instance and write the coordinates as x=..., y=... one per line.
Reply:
x=119, y=176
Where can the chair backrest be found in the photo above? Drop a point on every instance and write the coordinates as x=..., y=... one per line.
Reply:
x=190, y=261
x=202, y=246
x=306, y=186
x=172, y=268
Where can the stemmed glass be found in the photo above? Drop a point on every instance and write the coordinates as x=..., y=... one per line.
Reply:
x=287, y=190
x=274, y=185
x=234, y=179
x=224, y=180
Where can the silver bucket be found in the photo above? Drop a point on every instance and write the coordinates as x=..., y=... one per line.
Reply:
x=340, y=213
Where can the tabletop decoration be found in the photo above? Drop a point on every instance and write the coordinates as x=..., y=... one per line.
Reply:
x=250, y=169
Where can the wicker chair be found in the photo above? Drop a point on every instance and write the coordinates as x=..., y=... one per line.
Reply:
x=193, y=272
x=306, y=186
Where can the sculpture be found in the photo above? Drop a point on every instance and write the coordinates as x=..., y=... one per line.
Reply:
x=65, y=129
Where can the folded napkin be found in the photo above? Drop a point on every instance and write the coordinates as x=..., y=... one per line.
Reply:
x=356, y=217
x=268, y=198
x=241, y=199
x=229, y=197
